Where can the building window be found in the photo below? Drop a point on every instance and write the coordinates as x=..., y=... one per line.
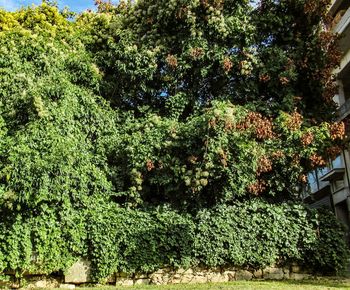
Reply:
x=337, y=163
x=315, y=182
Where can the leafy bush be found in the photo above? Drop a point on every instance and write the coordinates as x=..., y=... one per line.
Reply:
x=255, y=234
x=251, y=234
x=135, y=240
x=330, y=253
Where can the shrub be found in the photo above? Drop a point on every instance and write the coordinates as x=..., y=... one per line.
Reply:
x=254, y=234
x=330, y=253
x=139, y=241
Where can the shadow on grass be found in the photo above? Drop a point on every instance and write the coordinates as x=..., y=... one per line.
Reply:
x=309, y=284
x=327, y=282
x=316, y=284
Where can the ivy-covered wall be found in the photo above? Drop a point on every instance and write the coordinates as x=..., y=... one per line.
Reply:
x=166, y=133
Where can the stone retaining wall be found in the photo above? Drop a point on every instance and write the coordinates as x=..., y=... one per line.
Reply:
x=204, y=275
x=80, y=273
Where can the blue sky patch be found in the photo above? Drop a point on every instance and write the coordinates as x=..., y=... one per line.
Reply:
x=74, y=5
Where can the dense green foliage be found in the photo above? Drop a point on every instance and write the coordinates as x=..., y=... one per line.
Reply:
x=325, y=257
x=183, y=54
x=251, y=234
x=164, y=133
x=216, y=156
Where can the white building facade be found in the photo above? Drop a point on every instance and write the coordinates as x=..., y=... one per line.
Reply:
x=329, y=186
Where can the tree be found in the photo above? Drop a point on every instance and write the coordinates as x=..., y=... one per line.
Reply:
x=275, y=57
x=264, y=72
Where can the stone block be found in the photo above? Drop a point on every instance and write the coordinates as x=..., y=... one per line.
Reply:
x=230, y=274
x=187, y=278
x=286, y=273
x=157, y=278
x=142, y=281
x=243, y=275
x=181, y=271
x=258, y=274
x=41, y=284
x=67, y=286
x=47, y=283
x=201, y=271
x=79, y=273
x=188, y=272
x=15, y=285
x=174, y=279
x=35, y=282
x=124, y=282
x=274, y=276
x=298, y=276
x=197, y=280
x=166, y=279
x=273, y=273
x=218, y=277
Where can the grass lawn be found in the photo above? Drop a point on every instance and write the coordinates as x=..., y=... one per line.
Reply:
x=307, y=284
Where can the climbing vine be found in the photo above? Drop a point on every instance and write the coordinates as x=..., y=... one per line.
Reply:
x=159, y=133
